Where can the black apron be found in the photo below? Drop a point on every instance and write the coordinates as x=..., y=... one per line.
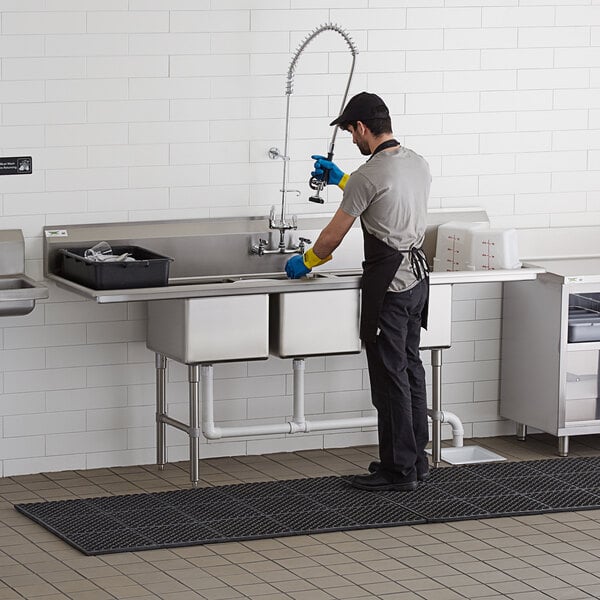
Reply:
x=379, y=268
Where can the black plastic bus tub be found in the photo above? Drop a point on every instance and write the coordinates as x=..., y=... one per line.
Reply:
x=147, y=270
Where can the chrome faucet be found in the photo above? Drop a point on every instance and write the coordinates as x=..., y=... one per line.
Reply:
x=262, y=247
x=282, y=226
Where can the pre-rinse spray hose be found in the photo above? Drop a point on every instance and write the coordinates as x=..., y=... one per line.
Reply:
x=289, y=88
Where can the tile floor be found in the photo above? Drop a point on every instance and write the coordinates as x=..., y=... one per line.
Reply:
x=552, y=556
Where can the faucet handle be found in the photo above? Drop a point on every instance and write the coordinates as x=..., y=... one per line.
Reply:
x=260, y=247
x=302, y=243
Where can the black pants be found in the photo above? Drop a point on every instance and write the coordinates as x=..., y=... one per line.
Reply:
x=398, y=382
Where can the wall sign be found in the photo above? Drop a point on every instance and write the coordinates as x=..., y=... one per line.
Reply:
x=16, y=165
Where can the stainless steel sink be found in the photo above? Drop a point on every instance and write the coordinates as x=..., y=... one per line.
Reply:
x=18, y=292
x=315, y=323
x=15, y=283
x=208, y=330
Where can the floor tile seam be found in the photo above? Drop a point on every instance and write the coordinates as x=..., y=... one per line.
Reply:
x=57, y=590
x=43, y=550
x=560, y=578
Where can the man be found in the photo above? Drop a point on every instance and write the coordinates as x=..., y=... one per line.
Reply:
x=389, y=193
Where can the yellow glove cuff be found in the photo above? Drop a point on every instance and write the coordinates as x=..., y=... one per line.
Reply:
x=311, y=260
x=343, y=180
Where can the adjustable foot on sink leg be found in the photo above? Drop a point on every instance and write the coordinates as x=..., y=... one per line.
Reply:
x=521, y=432
x=563, y=445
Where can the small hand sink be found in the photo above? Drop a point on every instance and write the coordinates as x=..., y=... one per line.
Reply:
x=18, y=294
x=15, y=283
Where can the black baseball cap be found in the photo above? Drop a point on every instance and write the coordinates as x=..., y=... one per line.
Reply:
x=362, y=107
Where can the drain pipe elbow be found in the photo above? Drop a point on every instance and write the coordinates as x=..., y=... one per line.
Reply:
x=211, y=432
x=458, y=431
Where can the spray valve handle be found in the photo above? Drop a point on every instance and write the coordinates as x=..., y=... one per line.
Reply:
x=319, y=184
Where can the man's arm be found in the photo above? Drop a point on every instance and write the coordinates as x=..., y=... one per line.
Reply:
x=333, y=234
x=328, y=240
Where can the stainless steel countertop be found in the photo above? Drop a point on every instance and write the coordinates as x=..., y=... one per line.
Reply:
x=584, y=269
x=276, y=283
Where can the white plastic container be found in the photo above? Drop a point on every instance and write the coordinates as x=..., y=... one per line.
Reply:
x=453, y=246
x=494, y=249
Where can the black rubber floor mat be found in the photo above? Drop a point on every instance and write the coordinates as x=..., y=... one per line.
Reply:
x=307, y=506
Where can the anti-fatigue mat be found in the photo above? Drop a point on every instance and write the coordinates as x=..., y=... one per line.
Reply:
x=307, y=506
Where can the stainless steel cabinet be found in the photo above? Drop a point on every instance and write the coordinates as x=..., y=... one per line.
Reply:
x=550, y=374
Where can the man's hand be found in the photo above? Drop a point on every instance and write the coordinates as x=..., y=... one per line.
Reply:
x=295, y=267
x=299, y=266
x=335, y=175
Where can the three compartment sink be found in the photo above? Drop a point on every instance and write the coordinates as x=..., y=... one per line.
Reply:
x=18, y=294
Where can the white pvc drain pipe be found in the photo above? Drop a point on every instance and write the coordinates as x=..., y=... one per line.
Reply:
x=299, y=423
x=200, y=379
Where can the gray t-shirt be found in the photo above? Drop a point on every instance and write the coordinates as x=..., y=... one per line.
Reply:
x=390, y=192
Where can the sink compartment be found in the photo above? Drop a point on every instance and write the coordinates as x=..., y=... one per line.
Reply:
x=209, y=330
x=15, y=283
x=315, y=323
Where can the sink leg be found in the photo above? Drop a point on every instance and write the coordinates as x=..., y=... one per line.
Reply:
x=194, y=428
x=521, y=432
x=563, y=445
x=160, y=361
x=436, y=406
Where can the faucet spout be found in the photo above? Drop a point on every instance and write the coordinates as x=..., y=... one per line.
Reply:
x=307, y=40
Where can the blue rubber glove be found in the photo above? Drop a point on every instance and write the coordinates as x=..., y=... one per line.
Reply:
x=336, y=175
x=298, y=266
x=295, y=267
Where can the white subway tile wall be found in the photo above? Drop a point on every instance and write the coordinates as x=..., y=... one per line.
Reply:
x=141, y=109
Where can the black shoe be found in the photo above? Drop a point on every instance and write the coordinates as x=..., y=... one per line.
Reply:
x=421, y=475
x=380, y=481
x=374, y=466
